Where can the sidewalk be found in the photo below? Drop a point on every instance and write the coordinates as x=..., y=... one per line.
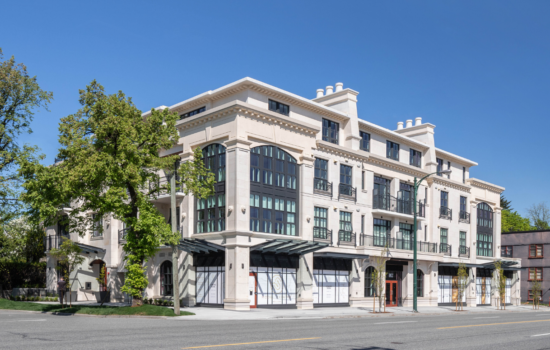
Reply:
x=219, y=314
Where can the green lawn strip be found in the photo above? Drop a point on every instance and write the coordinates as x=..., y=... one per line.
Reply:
x=145, y=310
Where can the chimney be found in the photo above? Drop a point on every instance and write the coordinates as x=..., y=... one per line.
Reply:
x=417, y=121
x=320, y=92
x=339, y=86
x=329, y=90
x=399, y=125
x=409, y=123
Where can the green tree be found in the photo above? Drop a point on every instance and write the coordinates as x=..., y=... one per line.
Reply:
x=540, y=216
x=505, y=204
x=379, y=277
x=69, y=257
x=500, y=284
x=513, y=222
x=462, y=282
x=110, y=164
x=21, y=240
x=536, y=289
x=20, y=96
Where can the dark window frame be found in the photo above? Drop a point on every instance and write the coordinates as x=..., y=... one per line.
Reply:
x=415, y=158
x=439, y=166
x=536, y=256
x=278, y=107
x=330, y=131
x=364, y=144
x=345, y=228
x=538, y=273
x=370, y=290
x=392, y=150
x=193, y=113
x=463, y=174
x=97, y=225
x=210, y=212
x=166, y=289
x=444, y=199
x=276, y=208
x=419, y=283
x=508, y=251
x=320, y=172
x=448, y=168
x=462, y=241
x=446, y=235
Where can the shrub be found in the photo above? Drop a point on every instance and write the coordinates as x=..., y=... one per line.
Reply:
x=151, y=301
x=157, y=301
x=171, y=303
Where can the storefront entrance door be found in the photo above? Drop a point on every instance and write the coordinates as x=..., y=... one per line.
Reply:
x=391, y=293
x=252, y=290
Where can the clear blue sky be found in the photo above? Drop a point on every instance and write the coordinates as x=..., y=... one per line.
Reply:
x=478, y=70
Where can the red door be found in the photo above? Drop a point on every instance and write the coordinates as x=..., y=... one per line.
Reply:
x=391, y=293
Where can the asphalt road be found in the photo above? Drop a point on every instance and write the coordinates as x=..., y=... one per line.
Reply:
x=457, y=331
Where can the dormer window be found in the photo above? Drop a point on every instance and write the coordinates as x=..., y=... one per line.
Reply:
x=330, y=131
x=278, y=107
x=416, y=158
x=192, y=113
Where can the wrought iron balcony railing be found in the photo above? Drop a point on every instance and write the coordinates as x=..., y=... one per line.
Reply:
x=322, y=234
x=53, y=242
x=445, y=213
x=322, y=186
x=445, y=248
x=347, y=192
x=346, y=238
x=377, y=241
x=402, y=206
x=464, y=216
x=463, y=251
x=426, y=247
x=161, y=187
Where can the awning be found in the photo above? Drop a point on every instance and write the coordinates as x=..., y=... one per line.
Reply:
x=87, y=249
x=288, y=246
x=457, y=265
x=505, y=264
x=340, y=255
x=193, y=245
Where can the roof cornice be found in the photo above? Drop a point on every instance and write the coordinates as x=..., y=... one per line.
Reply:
x=246, y=109
x=449, y=183
x=485, y=185
x=392, y=135
x=395, y=165
x=453, y=157
x=342, y=151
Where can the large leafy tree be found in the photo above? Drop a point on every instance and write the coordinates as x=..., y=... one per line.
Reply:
x=540, y=216
x=20, y=97
x=514, y=222
x=110, y=164
x=21, y=240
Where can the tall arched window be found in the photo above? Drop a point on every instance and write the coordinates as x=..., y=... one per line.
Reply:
x=166, y=286
x=484, y=230
x=419, y=283
x=370, y=291
x=210, y=212
x=273, y=191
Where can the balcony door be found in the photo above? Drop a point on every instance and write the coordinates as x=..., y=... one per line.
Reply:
x=381, y=193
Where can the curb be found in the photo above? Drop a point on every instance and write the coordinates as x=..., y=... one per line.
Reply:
x=85, y=315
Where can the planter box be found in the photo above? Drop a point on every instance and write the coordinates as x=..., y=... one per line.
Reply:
x=103, y=296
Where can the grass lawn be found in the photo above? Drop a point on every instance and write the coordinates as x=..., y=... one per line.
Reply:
x=145, y=310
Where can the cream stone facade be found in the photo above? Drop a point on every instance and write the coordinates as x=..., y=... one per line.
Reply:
x=308, y=196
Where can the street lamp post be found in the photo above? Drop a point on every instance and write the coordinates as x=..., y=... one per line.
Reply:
x=415, y=244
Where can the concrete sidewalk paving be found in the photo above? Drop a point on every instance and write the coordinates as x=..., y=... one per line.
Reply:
x=213, y=314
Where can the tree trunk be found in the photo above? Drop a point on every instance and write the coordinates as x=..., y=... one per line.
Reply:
x=136, y=302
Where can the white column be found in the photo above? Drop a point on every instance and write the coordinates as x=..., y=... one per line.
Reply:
x=304, y=282
x=237, y=270
x=188, y=280
x=471, y=299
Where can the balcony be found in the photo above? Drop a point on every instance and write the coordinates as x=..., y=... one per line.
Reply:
x=346, y=238
x=423, y=247
x=395, y=205
x=53, y=242
x=159, y=191
x=322, y=186
x=445, y=213
x=464, y=216
x=347, y=192
x=321, y=234
x=377, y=241
x=463, y=251
x=445, y=248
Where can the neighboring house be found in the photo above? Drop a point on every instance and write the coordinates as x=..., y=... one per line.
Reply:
x=530, y=246
x=307, y=195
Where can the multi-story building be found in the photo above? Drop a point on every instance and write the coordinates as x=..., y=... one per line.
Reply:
x=529, y=247
x=308, y=197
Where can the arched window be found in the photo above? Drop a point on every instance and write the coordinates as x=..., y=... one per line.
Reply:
x=210, y=215
x=370, y=290
x=419, y=283
x=166, y=287
x=273, y=191
x=484, y=230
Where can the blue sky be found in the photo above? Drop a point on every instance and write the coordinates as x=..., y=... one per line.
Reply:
x=478, y=70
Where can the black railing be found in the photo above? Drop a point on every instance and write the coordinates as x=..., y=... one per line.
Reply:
x=377, y=241
x=445, y=248
x=346, y=238
x=445, y=213
x=405, y=244
x=53, y=242
x=464, y=216
x=347, y=192
x=402, y=206
x=322, y=234
x=161, y=186
x=463, y=251
x=122, y=234
x=322, y=186
x=426, y=247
